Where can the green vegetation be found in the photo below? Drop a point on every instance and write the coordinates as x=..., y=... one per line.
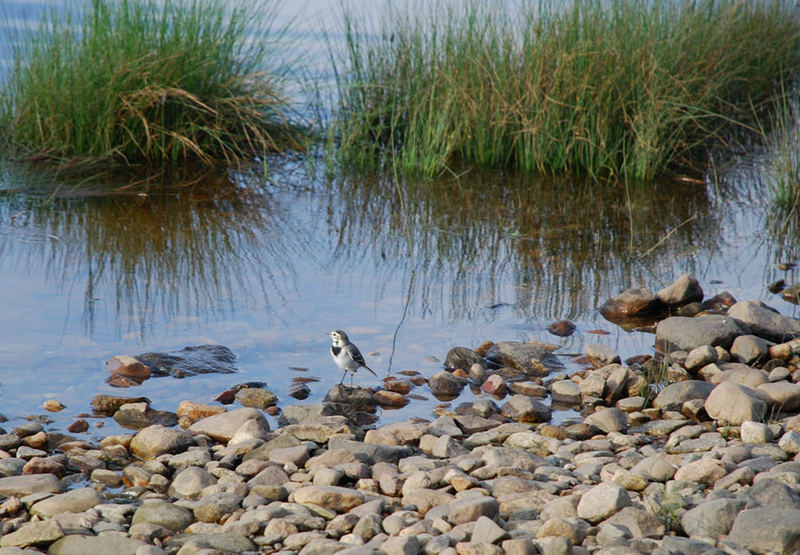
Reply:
x=620, y=91
x=147, y=81
x=782, y=173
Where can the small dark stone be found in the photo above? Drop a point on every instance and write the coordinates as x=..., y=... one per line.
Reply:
x=461, y=357
x=776, y=286
x=79, y=426
x=720, y=302
x=299, y=390
x=562, y=328
x=791, y=293
x=107, y=405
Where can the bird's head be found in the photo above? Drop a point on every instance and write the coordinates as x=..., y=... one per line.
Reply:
x=338, y=336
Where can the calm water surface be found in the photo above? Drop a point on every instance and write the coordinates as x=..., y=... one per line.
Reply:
x=410, y=269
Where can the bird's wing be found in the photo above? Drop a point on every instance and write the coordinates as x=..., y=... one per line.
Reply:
x=359, y=358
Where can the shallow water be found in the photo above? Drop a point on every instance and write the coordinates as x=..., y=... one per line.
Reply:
x=268, y=266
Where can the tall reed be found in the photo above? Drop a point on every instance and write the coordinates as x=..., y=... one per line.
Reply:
x=620, y=89
x=154, y=81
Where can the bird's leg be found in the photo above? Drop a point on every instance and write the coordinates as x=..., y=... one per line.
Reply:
x=343, y=375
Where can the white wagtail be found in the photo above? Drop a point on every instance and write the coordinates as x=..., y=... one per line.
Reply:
x=346, y=355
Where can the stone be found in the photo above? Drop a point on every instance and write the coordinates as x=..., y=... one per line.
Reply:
x=602, y=501
x=639, y=522
x=592, y=386
x=565, y=392
x=463, y=358
x=525, y=409
x=360, y=399
x=764, y=321
x=189, y=482
x=378, y=452
x=739, y=373
x=683, y=333
x=334, y=498
x=608, y=420
x=168, y=515
x=33, y=534
x=486, y=530
x=74, y=501
x=256, y=397
x=763, y=530
x=195, y=411
x=401, y=545
x=601, y=355
x=533, y=359
x=128, y=366
x=630, y=303
x=561, y=328
x=445, y=385
x=20, y=486
x=790, y=442
x=703, y=471
x=390, y=399
x=785, y=396
x=686, y=289
x=676, y=394
x=755, y=432
x=139, y=415
x=223, y=426
x=730, y=403
x=655, y=468
x=711, y=518
x=77, y=544
x=750, y=349
x=157, y=440
x=471, y=509
x=699, y=357
x=494, y=385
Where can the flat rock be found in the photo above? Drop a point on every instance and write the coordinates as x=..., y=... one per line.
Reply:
x=107, y=405
x=704, y=471
x=676, y=394
x=530, y=358
x=602, y=501
x=471, y=509
x=139, y=415
x=566, y=392
x=525, y=409
x=20, y=486
x=223, y=426
x=601, y=355
x=33, y=533
x=157, y=440
x=74, y=501
x=764, y=321
x=640, y=523
x=376, y=451
x=170, y=516
x=731, y=403
x=312, y=412
x=107, y=543
x=256, y=397
x=683, y=333
x=712, y=518
x=767, y=529
x=361, y=399
x=334, y=498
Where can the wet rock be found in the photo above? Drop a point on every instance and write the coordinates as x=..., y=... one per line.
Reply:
x=390, y=399
x=601, y=355
x=767, y=529
x=299, y=390
x=562, y=328
x=33, y=534
x=139, y=415
x=566, y=392
x=730, y=403
x=256, y=397
x=52, y=405
x=676, y=394
x=20, y=486
x=602, y=501
x=199, y=359
x=195, y=411
x=168, y=515
x=494, y=385
x=157, y=440
x=75, y=501
x=461, y=357
x=129, y=367
x=531, y=389
x=791, y=294
x=682, y=333
x=525, y=409
x=631, y=303
x=356, y=397
x=530, y=358
x=107, y=405
x=401, y=386
x=683, y=291
x=445, y=386
x=78, y=427
x=222, y=427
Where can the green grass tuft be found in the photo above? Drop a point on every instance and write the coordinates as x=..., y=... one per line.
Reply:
x=624, y=90
x=147, y=81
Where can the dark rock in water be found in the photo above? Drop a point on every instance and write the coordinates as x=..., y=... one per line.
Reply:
x=138, y=415
x=256, y=397
x=226, y=397
x=390, y=399
x=791, y=293
x=249, y=385
x=524, y=409
x=777, y=286
x=200, y=359
x=720, y=302
x=107, y=405
x=79, y=426
x=631, y=303
x=461, y=357
x=299, y=390
x=682, y=333
x=356, y=397
x=562, y=328
x=446, y=386
x=683, y=291
x=786, y=266
x=530, y=358
x=129, y=367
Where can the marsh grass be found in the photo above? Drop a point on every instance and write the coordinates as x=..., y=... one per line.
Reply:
x=622, y=91
x=147, y=81
x=782, y=171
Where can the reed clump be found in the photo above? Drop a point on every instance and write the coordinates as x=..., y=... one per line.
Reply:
x=620, y=90
x=147, y=81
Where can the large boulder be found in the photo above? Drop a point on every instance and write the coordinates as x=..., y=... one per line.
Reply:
x=765, y=321
x=684, y=333
x=731, y=403
x=767, y=529
x=676, y=394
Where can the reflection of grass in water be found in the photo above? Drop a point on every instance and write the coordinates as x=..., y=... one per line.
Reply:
x=147, y=81
x=561, y=245
x=201, y=250
x=622, y=90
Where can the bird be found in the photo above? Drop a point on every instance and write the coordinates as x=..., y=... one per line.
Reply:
x=346, y=355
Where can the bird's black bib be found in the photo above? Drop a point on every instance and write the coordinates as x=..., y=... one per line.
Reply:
x=335, y=350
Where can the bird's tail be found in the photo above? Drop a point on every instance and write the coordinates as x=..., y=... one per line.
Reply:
x=371, y=370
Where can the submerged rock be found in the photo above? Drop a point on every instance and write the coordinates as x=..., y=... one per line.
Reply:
x=200, y=359
x=530, y=358
x=635, y=302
